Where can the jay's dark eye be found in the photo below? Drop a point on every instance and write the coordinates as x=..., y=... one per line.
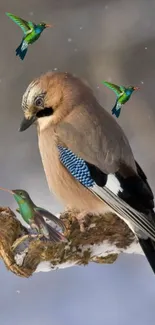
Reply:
x=39, y=102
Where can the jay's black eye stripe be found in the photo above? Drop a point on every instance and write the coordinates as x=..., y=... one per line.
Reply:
x=47, y=111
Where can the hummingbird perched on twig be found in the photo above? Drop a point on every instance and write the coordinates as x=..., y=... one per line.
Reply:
x=31, y=31
x=123, y=95
x=35, y=217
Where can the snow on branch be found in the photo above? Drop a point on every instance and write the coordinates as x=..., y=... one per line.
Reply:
x=104, y=238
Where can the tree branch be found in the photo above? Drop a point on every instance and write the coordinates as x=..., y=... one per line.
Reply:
x=104, y=238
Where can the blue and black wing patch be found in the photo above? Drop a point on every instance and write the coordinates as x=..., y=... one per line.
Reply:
x=98, y=183
x=76, y=166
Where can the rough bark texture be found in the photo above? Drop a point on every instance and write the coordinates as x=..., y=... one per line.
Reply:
x=81, y=248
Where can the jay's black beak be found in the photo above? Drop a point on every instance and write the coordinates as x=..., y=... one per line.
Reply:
x=26, y=123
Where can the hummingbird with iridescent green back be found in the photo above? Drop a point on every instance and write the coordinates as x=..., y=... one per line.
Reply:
x=35, y=217
x=123, y=95
x=31, y=32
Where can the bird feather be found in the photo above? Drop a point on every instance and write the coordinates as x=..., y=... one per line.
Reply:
x=51, y=217
x=48, y=231
x=98, y=138
x=80, y=170
x=23, y=24
x=118, y=90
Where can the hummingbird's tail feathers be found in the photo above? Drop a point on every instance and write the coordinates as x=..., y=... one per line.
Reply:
x=116, y=109
x=148, y=247
x=22, y=49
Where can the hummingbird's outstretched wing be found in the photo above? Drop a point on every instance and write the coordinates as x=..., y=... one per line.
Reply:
x=48, y=231
x=23, y=24
x=118, y=90
x=51, y=217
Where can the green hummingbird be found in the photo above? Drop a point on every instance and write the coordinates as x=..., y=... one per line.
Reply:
x=123, y=95
x=35, y=216
x=31, y=33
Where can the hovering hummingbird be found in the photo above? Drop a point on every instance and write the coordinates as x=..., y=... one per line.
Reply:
x=123, y=95
x=31, y=33
x=35, y=216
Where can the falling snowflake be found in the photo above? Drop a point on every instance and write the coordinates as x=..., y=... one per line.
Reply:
x=81, y=27
x=69, y=40
x=106, y=7
x=75, y=50
x=18, y=291
x=142, y=82
x=109, y=79
x=145, y=47
x=0, y=80
x=55, y=69
x=31, y=13
x=98, y=87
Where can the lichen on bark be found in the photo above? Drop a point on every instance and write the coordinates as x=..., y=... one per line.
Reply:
x=81, y=248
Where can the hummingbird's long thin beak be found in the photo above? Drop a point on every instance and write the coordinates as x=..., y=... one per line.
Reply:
x=6, y=190
x=48, y=25
x=136, y=88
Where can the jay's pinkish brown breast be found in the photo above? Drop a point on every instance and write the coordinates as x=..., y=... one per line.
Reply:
x=61, y=182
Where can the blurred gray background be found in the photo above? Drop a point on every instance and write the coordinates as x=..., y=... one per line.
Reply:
x=97, y=40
